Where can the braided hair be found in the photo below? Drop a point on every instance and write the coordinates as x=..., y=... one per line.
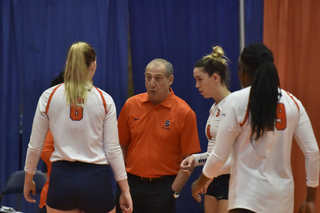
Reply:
x=257, y=62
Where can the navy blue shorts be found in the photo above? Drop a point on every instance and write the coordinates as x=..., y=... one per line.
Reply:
x=78, y=185
x=219, y=187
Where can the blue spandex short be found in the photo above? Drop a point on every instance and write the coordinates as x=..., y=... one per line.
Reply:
x=219, y=187
x=78, y=185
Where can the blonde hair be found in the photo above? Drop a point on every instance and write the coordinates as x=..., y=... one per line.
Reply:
x=216, y=62
x=218, y=54
x=77, y=77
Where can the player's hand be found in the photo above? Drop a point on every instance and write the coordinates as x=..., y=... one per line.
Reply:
x=125, y=202
x=198, y=190
x=29, y=187
x=188, y=164
x=307, y=207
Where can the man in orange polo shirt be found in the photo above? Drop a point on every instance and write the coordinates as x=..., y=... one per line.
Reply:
x=157, y=130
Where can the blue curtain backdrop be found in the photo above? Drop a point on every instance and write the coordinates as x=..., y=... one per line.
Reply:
x=182, y=31
x=253, y=21
x=35, y=37
x=10, y=95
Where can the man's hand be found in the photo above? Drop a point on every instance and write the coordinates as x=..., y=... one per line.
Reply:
x=188, y=164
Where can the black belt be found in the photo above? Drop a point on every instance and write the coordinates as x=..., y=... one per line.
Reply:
x=145, y=179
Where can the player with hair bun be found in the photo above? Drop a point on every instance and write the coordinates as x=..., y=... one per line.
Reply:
x=257, y=125
x=212, y=76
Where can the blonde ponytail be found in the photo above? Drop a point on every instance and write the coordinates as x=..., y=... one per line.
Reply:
x=77, y=76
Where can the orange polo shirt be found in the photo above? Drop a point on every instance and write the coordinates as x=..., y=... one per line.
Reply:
x=46, y=153
x=158, y=137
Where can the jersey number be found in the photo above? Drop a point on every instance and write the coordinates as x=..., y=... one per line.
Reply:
x=76, y=112
x=281, y=123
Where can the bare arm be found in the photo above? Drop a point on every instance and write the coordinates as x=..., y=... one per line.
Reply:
x=125, y=199
x=199, y=187
x=308, y=206
x=181, y=179
x=124, y=149
x=29, y=186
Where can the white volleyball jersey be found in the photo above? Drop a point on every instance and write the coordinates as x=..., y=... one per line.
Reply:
x=211, y=130
x=86, y=133
x=261, y=177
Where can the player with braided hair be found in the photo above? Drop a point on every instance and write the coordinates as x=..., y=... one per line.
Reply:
x=257, y=125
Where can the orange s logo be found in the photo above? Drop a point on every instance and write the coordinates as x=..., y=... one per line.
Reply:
x=218, y=113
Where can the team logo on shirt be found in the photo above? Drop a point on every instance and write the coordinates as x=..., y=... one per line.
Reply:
x=218, y=113
x=166, y=125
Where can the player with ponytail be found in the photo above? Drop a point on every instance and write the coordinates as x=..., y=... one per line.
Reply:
x=83, y=122
x=212, y=76
x=257, y=126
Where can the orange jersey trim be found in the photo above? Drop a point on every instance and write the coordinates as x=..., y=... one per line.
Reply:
x=49, y=100
x=246, y=116
x=247, y=113
x=103, y=100
x=293, y=100
x=46, y=153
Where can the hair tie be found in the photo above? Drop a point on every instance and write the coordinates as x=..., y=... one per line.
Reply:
x=264, y=57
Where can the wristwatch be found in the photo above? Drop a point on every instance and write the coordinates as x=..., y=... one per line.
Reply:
x=175, y=194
